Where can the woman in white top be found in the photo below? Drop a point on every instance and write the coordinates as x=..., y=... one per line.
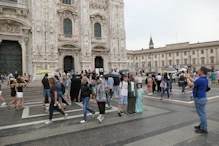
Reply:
x=139, y=79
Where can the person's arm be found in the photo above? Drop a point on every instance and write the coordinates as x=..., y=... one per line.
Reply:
x=79, y=95
x=55, y=97
x=190, y=82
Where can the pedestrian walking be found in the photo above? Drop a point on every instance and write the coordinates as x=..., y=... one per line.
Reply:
x=84, y=94
x=75, y=88
x=68, y=87
x=150, y=85
x=20, y=84
x=139, y=100
x=54, y=100
x=123, y=95
x=158, y=78
x=131, y=95
x=101, y=99
x=182, y=82
x=1, y=98
x=213, y=77
x=46, y=89
x=165, y=85
x=200, y=98
x=13, y=84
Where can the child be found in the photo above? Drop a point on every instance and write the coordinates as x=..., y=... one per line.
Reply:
x=139, y=100
x=123, y=95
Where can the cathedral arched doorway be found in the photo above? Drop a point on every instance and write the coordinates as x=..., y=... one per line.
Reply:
x=10, y=57
x=99, y=65
x=68, y=63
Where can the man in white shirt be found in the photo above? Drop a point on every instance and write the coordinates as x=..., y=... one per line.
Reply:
x=123, y=95
x=158, y=78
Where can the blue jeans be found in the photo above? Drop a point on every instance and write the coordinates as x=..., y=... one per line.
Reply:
x=200, y=109
x=85, y=102
x=183, y=87
x=108, y=98
x=168, y=94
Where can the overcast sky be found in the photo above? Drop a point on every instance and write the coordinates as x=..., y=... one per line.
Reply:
x=170, y=21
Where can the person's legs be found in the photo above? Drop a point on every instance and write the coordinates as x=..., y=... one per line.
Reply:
x=163, y=90
x=168, y=92
x=129, y=106
x=2, y=99
x=183, y=87
x=22, y=103
x=200, y=107
x=134, y=105
x=59, y=110
x=51, y=108
x=18, y=103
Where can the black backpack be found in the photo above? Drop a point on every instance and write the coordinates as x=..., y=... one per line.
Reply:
x=182, y=78
x=63, y=88
x=116, y=81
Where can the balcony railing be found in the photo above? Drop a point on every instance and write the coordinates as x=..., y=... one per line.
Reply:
x=64, y=37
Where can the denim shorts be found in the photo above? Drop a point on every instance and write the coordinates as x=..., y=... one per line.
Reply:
x=46, y=92
x=123, y=100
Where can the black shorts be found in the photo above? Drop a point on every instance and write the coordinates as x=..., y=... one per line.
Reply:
x=101, y=106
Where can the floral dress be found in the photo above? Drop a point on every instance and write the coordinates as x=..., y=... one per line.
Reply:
x=139, y=103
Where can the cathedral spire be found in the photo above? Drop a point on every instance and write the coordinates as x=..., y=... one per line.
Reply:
x=151, y=44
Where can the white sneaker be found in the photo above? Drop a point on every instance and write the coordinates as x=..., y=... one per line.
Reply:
x=3, y=104
x=48, y=122
x=66, y=115
x=100, y=119
x=83, y=121
x=94, y=114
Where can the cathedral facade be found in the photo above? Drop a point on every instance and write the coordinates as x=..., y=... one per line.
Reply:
x=40, y=35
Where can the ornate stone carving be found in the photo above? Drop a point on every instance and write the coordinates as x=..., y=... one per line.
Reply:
x=10, y=28
x=99, y=4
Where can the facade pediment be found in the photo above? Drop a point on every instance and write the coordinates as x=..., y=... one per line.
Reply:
x=100, y=49
x=96, y=15
x=67, y=11
x=69, y=46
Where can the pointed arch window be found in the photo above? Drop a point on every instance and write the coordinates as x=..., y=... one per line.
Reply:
x=67, y=26
x=97, y=30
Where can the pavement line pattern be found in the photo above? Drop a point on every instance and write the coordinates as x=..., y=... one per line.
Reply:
x=174, y=137
x=55, y=119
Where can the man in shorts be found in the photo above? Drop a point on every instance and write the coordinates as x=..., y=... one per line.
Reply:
x=46, y=89
x=123, y=95
x=68, y=87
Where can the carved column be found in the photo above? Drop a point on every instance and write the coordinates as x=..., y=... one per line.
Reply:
x=24, y=61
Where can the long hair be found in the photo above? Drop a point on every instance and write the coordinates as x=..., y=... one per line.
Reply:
x=52, y=81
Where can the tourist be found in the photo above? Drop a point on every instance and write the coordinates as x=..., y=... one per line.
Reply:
x=75, y=88
x=154, y=83
x=170, y=79
x=149, y=84
x=46, y=89
x=1, y=98
x=61, y=91
x=217, y=76
x=93, y=83
x=67, y=87
x=101, y=99
x=84, y=94
x=13, y=84
x=182, y=82
x=2, y=78
x=131, y=94
x=165, y=85
x=107, y=90
x=54, y=100
x=139, y=100
x=139, y=79
x=158, y=78
x=20, y=84
x=123, y=95
x=200, y=97
x=110, y=83
x=116, y=86
x=213, y=77
x=15, y=75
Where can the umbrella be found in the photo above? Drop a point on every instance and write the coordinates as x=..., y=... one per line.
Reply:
x=110, y=75
x=42, y=72
x=170, y=70
x=115, y=73
x=58, y=69
x=182, y=69
x=123, y=71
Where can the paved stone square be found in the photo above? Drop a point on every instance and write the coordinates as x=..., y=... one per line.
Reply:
x=163, y=123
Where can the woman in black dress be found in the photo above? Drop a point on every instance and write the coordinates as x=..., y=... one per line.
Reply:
x=13, y=84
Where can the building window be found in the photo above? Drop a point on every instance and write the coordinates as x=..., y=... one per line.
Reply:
x=97, y=30
x=193, y=52
x=177, y=61
x=12, y=0
x=66, y=2
x=136, y=65
x=162, y=55
x=194, y=61
x=212, y=60
x=128, y=57
x=155, y=63
x=142, y=64
x=185, y=61
x=185, y=53
x=177, y=53
x=169, y=54
x=162, y=63
x=155, y=55
x=170, y=62
x=67, y=26
x=136, y=57
x=212, y=50
x=203, y=60
x=142, y=57
x=194, y=69
x=149, y=64
x=202, y=51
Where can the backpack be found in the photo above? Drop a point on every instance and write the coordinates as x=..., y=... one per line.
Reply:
x=163, y=84
x=146, y=81
x=182, y=78
x=116, y=81
x=63, y=88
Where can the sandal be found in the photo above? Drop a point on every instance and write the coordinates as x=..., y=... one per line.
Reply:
x=9, y=107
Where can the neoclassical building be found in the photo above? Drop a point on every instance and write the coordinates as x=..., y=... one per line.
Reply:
x=70, y=34
x=180, y=55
